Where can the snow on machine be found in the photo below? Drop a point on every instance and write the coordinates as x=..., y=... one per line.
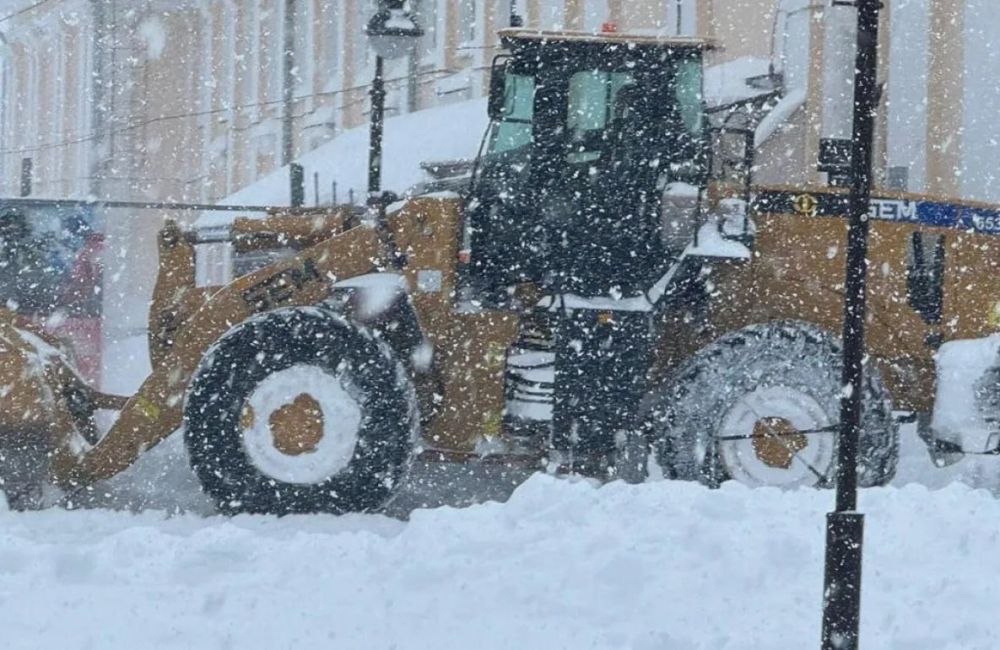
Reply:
x=608, y=298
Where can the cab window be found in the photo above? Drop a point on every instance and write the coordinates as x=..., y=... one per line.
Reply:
x=514, y=130
x=592, y=98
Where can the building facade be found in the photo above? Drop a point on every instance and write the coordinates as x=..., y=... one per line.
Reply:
x=156, y=99
x=150, y=99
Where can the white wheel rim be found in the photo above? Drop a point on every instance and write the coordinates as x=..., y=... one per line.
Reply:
x=808, y=464
x=341, y=425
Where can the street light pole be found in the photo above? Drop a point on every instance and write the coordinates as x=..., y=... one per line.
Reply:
x=393, y=33
x=375, y=138
x=845, y=526
x=288, y=84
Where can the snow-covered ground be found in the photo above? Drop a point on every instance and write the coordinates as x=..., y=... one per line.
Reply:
x=561, y=565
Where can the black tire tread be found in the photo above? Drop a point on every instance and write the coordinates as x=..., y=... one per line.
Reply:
x=261, y=345
x=683, y=396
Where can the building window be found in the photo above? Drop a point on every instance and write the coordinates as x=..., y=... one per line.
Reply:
x=365, y=10
x=332, y=28
x=304, y=26
x=270, y=40
x=595, y=14
x=469, y=15
x=427, y=16
x=265, y=153
x=222, y=62
x=681, y=18
x=250, y=61
x=551, y=14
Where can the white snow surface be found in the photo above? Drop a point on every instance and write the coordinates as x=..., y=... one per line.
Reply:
x=726, y=83
x=960, y=365
x=779, y=115
x=562, y=564
x=711, y=243
x=450, y=132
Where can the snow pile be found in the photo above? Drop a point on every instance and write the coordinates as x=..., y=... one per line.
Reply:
x=561, y=565
x=451, y=132
x=960, y=366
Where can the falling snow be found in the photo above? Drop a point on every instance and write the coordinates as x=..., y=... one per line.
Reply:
x=559, y=363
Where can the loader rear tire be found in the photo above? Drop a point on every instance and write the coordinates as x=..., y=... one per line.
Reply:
x=357, y=423
x=761, y=405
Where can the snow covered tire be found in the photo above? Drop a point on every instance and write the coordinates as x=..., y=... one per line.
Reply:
x=690, y=414
x=378, y=455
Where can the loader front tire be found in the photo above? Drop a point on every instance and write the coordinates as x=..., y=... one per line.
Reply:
x=761, y=405
x=300, y=410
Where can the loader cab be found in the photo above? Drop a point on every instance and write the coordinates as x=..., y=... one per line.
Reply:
x=586, y=130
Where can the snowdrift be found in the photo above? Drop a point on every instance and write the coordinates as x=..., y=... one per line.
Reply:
x=561, y=565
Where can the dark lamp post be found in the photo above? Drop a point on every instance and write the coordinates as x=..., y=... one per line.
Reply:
x=393, y=33
x=845, y=526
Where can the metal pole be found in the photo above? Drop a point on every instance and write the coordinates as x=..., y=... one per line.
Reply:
x=375, y=139
x=845, y=526
x=288, y=85
x=26, y=176
x=297, y=185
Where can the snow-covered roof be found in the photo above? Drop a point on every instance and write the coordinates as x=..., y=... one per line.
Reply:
x=448, y=132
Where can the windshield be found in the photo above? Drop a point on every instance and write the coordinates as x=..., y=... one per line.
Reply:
x=688, y=93
x=595, y=112
x=514, y=130
x=593, y=99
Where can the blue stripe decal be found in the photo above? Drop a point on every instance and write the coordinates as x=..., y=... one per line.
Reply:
x=944, y=215
x=984, y=220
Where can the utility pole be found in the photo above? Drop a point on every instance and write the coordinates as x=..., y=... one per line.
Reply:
x=845, y=526
x=288, y=84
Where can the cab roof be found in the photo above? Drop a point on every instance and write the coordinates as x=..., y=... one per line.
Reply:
x=606, y=38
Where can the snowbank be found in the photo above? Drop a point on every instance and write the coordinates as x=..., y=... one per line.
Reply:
x=450, y=132
x=561, y=565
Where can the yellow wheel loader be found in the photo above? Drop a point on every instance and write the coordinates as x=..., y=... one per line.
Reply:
x=599, y=302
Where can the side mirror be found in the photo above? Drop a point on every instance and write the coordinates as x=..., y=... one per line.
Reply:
x=498, y=89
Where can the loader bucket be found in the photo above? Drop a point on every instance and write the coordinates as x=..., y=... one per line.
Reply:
x=38, y=408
